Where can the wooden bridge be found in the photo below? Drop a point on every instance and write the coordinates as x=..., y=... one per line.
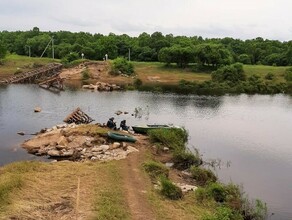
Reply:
x=34, y=76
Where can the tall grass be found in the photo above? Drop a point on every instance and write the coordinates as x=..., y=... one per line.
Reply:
x=174, y=138
x=12, y=178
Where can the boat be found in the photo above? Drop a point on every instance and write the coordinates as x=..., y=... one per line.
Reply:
x=121, y=137
x=143, y=129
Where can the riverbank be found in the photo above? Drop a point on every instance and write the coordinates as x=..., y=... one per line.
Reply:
x=151, y=76
x=103, y=189
x=137, y=186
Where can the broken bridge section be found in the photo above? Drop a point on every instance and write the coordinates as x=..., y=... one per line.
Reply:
x=49, y=71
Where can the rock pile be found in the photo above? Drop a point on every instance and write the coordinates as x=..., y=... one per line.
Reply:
x=59, y=142
x=101, y=86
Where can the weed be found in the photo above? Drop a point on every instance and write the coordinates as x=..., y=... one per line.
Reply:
x=183, y=159
x=202, y=176
x=155, y=169
x=169, y=190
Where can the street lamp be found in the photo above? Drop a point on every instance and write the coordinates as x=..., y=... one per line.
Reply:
x=28, y=50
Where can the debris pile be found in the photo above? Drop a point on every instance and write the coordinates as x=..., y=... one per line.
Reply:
x=78, y=117
x=73, y=142
x=101, y=86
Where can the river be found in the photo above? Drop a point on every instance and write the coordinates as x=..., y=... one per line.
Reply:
x=253, y=133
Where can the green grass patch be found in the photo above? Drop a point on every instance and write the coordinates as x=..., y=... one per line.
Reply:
x=174, y=138
x=202, y=176
x=16, y=63
x=155, y=169
x=169, y=190
x=110, y=202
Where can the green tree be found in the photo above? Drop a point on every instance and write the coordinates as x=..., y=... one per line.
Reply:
x=3, y=50
x=232, y=73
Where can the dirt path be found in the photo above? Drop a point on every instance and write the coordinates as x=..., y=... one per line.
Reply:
x=136, y=186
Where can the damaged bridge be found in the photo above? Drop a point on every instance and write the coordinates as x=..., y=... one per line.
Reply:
x=35, y=76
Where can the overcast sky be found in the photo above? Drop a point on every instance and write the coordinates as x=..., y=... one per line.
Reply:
x=244, y=19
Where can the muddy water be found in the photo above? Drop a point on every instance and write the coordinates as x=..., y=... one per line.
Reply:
x=253, y=133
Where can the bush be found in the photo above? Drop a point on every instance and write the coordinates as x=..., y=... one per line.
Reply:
x=217, y=192
x=270, y=76
x=138, y=83
x=202, y=176
x=183, y=160
x=121, y=65
x=174, y=138
x=288, y=74
x=223, y=213
x=85, y=74
x=169, y=190
x=155, y=169
x=233, y=73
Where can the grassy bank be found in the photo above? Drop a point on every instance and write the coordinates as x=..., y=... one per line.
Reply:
x=89, y=190
x=16, y=64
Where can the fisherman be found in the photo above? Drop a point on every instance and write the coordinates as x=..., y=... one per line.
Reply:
x=111, y=124
x=123, y=125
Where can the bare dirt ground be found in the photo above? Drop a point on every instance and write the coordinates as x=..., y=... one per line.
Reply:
x=136, y=186
x=99, y=71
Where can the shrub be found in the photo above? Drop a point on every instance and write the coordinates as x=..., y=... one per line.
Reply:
x=169, y=190
x=217, y=192
x=183, y=160
x=174, y=138
x=270, y=76
x=202, y=176
x=138, y=83
x=121, y=65
x=288, y=74
x=233, y=73
x=85, y=74
x=155, y=169
x=223, y=213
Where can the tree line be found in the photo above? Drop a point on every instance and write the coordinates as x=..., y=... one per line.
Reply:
x=148, y=47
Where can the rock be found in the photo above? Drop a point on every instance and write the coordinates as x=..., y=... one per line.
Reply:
x=37, y=109
x=62, y=141
x=68, y=153
x=115, y=145
x=70, y=138
x=104, y=147
x=61, y=126
x=96, y=149
x=131, y=149
x=21, y=133
x=53, y=161
x=54, y=153
x=60, y=147
x=186, y=187
x=169, y=164
x=126, y=113
x=93, y=158
x=166, y=149
x=54, y=128
x=118, y=112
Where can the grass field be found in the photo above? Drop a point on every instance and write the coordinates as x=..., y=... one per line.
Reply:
x=148, y=72
x=151, y=72
x=154, y=72
x=15, y=63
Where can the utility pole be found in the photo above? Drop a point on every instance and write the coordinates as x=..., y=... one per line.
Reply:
x=129, y=54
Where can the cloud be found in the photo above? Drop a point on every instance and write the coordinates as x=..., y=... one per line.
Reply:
x=207, y=18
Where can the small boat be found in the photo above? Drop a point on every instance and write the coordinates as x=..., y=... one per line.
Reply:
x=143, y=129
x=121, y=137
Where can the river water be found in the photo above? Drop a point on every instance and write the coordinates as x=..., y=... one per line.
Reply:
x=251, y=133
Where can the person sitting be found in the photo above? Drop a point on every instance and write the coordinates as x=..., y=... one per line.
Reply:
x=123, y=125
x=111, y=124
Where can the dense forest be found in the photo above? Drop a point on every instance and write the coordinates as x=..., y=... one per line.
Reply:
x=148, y=47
